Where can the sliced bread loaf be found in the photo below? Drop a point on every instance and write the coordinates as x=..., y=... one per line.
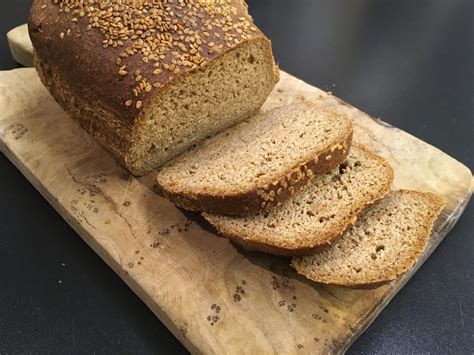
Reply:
x=317, y=215
x=383, y=244
x=149, y=79
x=260, y=162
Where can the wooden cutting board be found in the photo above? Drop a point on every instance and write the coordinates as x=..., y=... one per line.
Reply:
x=214, y=297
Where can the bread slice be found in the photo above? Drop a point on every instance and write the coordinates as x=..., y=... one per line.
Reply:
x=260, y=162
x=149, y=79
x=384, y=243
x=316, y=216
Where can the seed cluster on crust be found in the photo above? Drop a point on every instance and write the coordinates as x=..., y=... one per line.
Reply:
x=170, y=36
x=295, y=181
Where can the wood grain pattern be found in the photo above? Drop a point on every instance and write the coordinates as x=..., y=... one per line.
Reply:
x=213, y=296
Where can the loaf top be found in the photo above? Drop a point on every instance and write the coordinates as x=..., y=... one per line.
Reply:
x=131, y=49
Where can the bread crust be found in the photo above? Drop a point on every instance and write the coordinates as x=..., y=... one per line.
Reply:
x=296, y=250
x=115, y=137
x=437, y=205
x=74, y=66
x=269, y=194
x=308, y=248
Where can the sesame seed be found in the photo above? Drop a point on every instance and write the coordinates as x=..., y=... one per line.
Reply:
x=171, y=34
x=128, y=103
x=138, y=104
x=328, y=157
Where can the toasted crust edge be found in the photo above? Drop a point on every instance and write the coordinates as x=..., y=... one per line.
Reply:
x=305, y=249
x=438, y=205
x=269, y=195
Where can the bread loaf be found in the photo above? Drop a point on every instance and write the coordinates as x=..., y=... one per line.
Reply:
x=318, y=214
x=383, y=244
x=150, y=78
x=258, y=163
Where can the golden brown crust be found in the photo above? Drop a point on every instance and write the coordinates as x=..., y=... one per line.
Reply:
x=269, y=195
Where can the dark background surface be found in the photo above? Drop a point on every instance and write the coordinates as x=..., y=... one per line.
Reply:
x=409, y=62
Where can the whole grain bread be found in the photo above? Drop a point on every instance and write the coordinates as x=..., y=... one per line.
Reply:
x=149, y=79
x=319, y=214
x=382, y=245
x=258, y=163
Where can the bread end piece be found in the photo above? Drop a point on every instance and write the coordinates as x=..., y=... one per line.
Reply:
x=381, y=246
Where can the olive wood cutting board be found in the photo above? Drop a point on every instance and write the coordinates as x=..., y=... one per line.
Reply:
x=213, y=296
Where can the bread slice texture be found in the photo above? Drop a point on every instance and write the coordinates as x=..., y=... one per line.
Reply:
x=318, y=215
x=384, y=243
x=141, y=82
x=259, y=163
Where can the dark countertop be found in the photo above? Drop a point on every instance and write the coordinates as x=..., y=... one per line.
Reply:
x=408, y=62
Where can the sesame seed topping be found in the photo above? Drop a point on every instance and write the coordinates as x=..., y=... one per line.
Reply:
x=128, y=103
x=138, y=105
x=174, y=35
